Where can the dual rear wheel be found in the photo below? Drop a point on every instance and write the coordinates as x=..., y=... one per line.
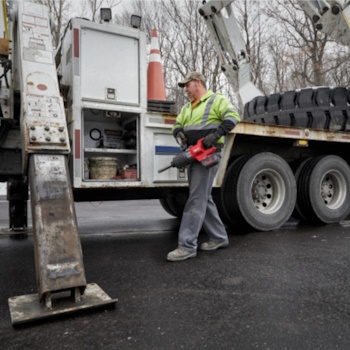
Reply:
x=262, y=192
x=174, y=203
x=323, y=189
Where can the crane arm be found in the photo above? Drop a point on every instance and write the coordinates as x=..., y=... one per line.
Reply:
x=230, y=46
x=332, y=17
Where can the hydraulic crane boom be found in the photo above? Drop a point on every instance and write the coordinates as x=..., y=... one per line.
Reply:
x=229, y=44
x=331, y=17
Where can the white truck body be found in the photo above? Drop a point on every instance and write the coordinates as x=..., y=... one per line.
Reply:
x=107, y=91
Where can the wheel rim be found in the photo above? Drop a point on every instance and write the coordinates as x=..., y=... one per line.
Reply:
x=333, y=189
x=268, y=191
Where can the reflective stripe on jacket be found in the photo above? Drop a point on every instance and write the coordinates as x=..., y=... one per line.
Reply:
x=213, y=112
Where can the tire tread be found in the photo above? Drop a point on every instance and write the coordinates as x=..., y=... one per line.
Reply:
x=322, y=108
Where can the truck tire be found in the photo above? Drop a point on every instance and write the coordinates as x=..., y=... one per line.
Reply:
x=324, y=189
x=297, y=168
x=165, y=205
x=174, y=203
x=230, y=213
x=260, y=190
x=321, y=108
x=216, y=194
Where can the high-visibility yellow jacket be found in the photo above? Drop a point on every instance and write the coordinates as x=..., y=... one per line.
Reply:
x=213, y=112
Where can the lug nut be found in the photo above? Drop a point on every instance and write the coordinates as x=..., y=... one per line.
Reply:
x=47, y=128
x=61, y=128
x=32, y=127
x=33, y=138
x=62, y=139
x=48, y=139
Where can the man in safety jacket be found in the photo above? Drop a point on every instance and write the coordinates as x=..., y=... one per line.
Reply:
x=210, y=116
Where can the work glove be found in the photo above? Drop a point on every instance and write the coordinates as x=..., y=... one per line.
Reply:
x=210, y=140
x=181, y=140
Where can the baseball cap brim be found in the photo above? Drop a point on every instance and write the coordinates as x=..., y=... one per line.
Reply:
x=184, y=82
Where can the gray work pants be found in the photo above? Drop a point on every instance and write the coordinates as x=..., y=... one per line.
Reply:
x=200, y=209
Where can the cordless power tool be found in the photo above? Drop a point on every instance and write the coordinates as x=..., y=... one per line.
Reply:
x=196, y=153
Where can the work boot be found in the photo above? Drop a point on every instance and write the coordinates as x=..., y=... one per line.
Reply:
x=180, y=254
x=211, y=245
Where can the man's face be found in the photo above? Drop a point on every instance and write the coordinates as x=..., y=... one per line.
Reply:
x=192, y=89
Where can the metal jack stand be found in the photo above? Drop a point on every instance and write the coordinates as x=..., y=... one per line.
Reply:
x=60, y=271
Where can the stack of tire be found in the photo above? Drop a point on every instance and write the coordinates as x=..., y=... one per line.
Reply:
x=321, y=108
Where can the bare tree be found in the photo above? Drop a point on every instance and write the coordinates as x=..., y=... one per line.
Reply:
x=63, y=10
x=188, y=44
x=60, y=10
x=337, y=65
x=90, y=8
x=308, y=52
x=255, y=31
x=184, y=43
x=279, y=66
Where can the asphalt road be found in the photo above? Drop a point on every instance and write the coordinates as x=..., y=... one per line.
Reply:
x=287, y=289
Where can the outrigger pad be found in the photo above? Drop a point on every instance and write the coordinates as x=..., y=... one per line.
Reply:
x=27, y=308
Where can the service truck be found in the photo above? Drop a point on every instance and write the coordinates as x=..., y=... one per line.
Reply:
x=68, y=118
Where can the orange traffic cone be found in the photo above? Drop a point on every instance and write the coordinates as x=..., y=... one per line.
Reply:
x=155, y=78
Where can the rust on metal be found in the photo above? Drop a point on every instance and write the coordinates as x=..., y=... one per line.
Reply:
x=292, y=132
x=58, y=253
x=27, y=308
x=63, y=269
x=169, y=119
